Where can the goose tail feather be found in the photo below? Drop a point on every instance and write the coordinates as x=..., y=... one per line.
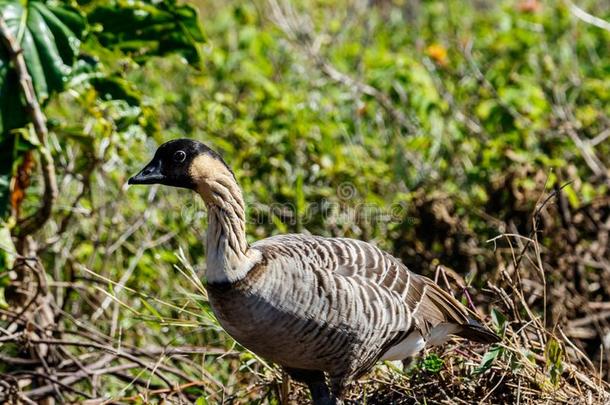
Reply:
x=476, y=332
x=465, y=322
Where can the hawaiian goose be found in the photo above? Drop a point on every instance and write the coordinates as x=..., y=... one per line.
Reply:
x=313, y=305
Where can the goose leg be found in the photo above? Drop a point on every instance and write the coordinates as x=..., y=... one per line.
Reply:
x=337, y=387
x=316, y=382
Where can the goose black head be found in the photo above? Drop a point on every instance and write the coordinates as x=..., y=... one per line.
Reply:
x=181, y=163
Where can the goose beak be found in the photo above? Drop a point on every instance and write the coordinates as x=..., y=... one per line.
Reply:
x=151, y=174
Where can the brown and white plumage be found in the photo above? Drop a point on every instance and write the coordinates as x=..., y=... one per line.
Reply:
x=311, y=304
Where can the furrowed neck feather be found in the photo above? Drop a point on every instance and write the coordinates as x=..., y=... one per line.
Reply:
x=228, y=257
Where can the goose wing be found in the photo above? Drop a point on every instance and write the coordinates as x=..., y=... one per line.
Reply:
x=375, y=291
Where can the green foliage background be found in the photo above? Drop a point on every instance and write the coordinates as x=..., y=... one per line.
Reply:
x=468, y=127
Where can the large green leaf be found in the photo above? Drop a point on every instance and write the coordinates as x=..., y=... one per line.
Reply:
x=149, y=28
x=12, y=114
x=49, y=37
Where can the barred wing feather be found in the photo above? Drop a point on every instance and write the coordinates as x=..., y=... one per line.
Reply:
x=400, y=306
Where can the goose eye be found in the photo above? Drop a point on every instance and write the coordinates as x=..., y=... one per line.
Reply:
x=179, y=156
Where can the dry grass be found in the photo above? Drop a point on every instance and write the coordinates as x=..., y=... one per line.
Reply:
x=538, y=360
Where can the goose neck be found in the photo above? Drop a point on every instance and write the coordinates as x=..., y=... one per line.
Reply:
x=227, y=248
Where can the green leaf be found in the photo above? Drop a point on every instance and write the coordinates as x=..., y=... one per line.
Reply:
x=116, y=88
x=554, y=360
x=49, y=45
x=7, y=249
x=488, y=359
x=499, y=320
x=148, y=28
x=12, y=114
x=6, y=172
x=7, y=259
x=201, y=401
x=432, y=363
